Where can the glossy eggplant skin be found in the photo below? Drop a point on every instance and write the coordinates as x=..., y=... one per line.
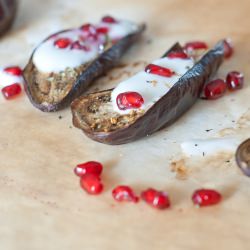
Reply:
x=8, y=9
x=107, y=60
x=168, y=109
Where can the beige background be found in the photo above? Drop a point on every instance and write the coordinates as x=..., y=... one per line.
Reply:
x=41, y=204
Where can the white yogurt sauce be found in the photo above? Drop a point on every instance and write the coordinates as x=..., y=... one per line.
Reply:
x=210, y=146
x=7, y=79
x=48, y=58
x=119, y=29
x=150, y=86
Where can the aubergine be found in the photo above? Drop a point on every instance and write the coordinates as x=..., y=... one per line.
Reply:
x=243, y=157
x=8, y=9
x=52, y=91
x=95, y=121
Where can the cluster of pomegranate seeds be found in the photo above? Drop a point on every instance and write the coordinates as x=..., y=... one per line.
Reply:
x=174, y=54
x=215, y=89
x=234, y=80
x=195, y=45
x=158, y=70
x=109, y=19
x=206, y=197
x=62, y=43
x=155, y=198
x=90, y=180
x=11, y=91
x=89, y=173
x=124, y=193
x=14, y=89
x=89, y=28
x=129, y=100
x=218, y=87
x=14, y=70
x=228, y=48
x=78, y=45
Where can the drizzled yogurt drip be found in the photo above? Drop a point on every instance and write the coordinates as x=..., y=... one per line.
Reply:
x=151, y=86
x=49, y=58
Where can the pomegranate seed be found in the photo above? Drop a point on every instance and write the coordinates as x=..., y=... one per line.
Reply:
x=77, y=45
x=228, y=48
x=88, y=28
x=206, y=197
x=195, y=45
x=108, y=19
x=157, y=199
x=102, y=30
x=215, y=89
x=62, y=43
x=158, y=70
x=91, y=183
x=11, y=90
x=181, y=55
x=15, y=70
x=234, y=80
x=90, y=167
x=124, y=193
x=129, y=100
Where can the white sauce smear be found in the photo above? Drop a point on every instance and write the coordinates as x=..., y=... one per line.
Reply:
x=48, y=58
x=150, y=86
x=210, y=146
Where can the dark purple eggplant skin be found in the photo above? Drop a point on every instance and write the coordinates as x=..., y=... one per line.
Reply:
x=169, y=108
x=243, y=157
x=97, y=68
x=8, y=9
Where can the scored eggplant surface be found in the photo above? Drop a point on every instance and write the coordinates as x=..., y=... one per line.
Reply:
x=71, y=83
x=93, y=113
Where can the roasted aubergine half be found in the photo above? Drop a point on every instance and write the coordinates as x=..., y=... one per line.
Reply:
x=66, y=63
x=148, y=101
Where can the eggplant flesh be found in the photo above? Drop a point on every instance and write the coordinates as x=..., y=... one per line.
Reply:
x=67, y=89
x=90, y=116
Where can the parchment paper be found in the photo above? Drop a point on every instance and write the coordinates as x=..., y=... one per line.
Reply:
x=41, y=203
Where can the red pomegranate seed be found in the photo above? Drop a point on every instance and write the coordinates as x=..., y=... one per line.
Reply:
x=181, y=55
x=102, y=30
x=215, y=89
x=62, y=43
x=88, y=28
x=14, y=70
x=124, y=193
x=129, y=100
x=158, y=70
x=157, y=199
x=234, y=80
x=11, y=90
x=77, y=45
x=108, y=19
x=228, y=48
x=206, y=197
x=90, y=167
x=91, y=183
x=195, y=45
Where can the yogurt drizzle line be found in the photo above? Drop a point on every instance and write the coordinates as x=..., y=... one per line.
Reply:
x=152, y=86
x=72, y=48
